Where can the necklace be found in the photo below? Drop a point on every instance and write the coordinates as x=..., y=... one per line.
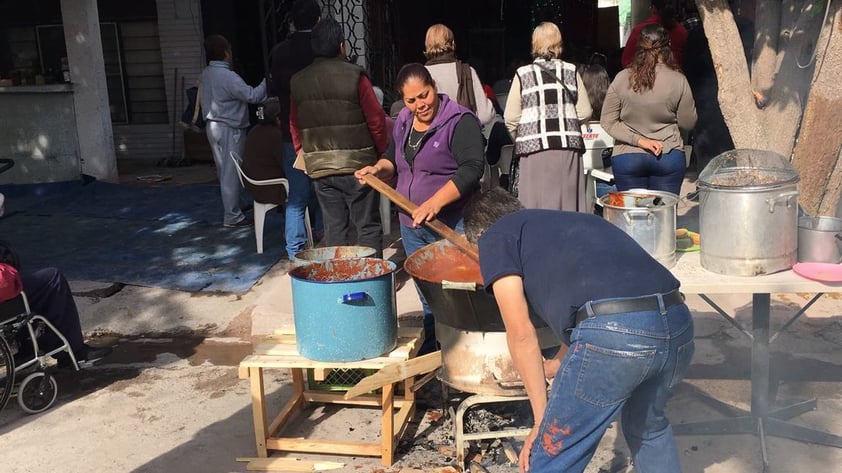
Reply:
x=415, y=146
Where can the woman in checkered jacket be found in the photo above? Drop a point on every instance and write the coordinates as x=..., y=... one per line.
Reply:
x=545, y=105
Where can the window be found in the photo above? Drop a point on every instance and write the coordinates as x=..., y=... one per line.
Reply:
x=133, y=68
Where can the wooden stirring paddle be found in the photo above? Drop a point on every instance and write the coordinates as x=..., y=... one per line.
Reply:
x=408, y=206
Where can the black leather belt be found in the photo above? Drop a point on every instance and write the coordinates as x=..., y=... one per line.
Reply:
x=635, y=304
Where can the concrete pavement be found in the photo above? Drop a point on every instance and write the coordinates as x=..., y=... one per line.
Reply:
x=169, y=399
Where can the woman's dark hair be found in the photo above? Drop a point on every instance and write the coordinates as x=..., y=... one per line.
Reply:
x=327, y=38
x=653, y=47
x=413, y=70
x=596, y=81
x=666, y=13
x=215, y=47
x=305, y=14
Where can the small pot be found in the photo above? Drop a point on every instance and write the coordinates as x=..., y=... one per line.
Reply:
x=819, y=240
x=648, y=217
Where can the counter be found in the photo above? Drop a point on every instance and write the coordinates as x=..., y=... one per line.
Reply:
x=38, y=89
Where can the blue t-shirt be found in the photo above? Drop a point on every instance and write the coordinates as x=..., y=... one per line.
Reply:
x=567, y=259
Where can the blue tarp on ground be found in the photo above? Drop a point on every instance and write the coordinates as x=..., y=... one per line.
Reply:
x=170, y=237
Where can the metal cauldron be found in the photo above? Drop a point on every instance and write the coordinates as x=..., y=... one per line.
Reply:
x=748, y=211
x=469, y=328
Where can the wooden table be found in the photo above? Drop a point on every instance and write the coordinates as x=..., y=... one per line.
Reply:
x=280, y=351
x=761, y=420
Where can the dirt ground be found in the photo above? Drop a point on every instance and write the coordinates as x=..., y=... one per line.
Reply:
x=169, y=398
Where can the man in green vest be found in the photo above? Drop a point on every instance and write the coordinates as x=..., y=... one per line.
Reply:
x=338, y=127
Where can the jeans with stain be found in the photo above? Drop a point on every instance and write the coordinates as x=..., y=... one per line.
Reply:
x=619, y=364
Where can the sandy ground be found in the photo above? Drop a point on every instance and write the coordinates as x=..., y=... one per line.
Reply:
x=169, y=398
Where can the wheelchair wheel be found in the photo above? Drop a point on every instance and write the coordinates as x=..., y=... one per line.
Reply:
x=37, y=392
x=7, y=372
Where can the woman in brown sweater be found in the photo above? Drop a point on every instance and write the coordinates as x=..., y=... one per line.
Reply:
x=644, y=110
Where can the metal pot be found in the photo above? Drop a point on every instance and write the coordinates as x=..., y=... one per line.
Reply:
x=820, y=239
x=748, y=208
x=325, y=253
x=469, y=327
x=648, y=217
x=345, y=309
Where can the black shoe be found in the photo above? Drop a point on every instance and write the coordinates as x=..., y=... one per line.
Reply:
x=85, y=356
x=93, y=354
x=246, y=222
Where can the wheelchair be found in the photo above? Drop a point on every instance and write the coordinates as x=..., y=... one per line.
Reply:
x=20, y=328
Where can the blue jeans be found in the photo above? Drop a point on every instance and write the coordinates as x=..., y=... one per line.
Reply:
x=623, y=363
x=300, y=196
x=413, y=240
x=647, y=171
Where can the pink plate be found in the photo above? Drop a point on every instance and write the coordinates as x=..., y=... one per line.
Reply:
x=824, y=272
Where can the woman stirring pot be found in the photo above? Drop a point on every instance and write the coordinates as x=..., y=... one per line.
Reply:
x=437, y=154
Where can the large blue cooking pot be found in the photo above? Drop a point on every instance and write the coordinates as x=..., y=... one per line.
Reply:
x=345, y=309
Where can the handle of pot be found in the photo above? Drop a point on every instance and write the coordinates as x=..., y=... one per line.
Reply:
x=353, y=297
x=639, y=214
x=786, y=196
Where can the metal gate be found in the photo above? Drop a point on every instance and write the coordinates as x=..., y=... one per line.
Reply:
x=368, y=32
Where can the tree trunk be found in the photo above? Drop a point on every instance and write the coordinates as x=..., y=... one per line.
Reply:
x=817, y=153
x=735, y=97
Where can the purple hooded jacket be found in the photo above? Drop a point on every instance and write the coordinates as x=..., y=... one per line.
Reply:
x=434, y=164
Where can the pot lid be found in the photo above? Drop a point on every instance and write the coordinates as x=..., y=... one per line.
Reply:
x=748, y=168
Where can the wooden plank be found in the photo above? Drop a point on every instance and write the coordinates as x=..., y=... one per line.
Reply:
x=320, y=374
x=366, y=400
x=258, y=409
x=387, y=429
x=290, y=464
x=510, y=451
x=286, y=361
x=291, y=407
x=324, y=446
x=396, y=372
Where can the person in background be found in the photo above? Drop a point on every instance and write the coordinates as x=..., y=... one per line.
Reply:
x=287, y=58
x=438, y=158
x=646, y=107
x=49, y=296
x=225, y=99
x=440, y=51
x=629, y=333
x=544, y=109
x=661, y=14
x=338, y=127
x=595, y=81
x=262, y=157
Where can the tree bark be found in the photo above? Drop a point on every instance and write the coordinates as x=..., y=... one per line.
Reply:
x=767, y=27
x=735, y=94
x=817, y=153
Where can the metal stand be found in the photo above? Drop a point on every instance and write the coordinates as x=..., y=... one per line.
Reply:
x=760, y=420
x=461, y=437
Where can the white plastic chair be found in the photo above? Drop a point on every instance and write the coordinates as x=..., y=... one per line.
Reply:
x=260, y=208
x=596, y=141
x=503, y=165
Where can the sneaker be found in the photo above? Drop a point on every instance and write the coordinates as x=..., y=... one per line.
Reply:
x=246, y=222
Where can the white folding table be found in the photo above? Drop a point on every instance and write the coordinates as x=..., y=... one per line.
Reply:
x=761, y=420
